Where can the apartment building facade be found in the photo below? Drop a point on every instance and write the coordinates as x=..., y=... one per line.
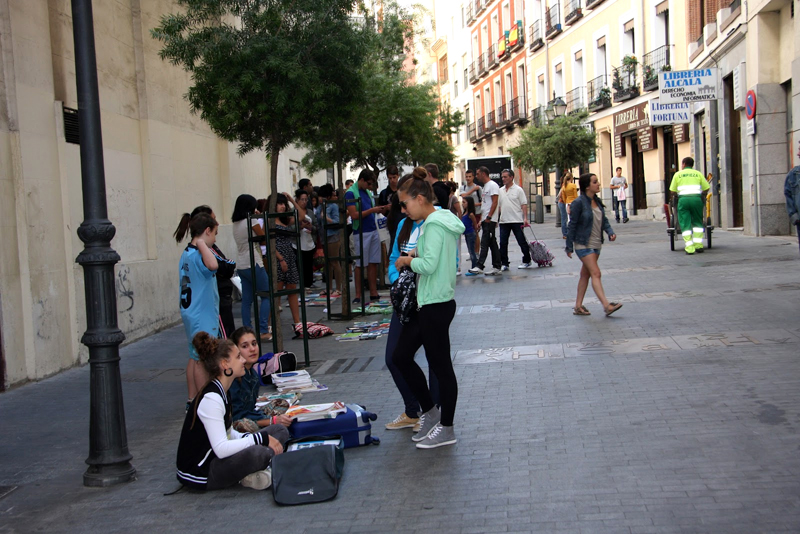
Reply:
x=497, y=74
x=604, y=56
x=755, y=46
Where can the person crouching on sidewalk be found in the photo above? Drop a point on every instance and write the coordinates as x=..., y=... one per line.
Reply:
x=587, y=223
x=429, y=327
x=211, y=454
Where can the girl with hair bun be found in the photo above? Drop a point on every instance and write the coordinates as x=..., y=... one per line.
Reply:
x=434, y=260
x=199, y=299
x=211, y=454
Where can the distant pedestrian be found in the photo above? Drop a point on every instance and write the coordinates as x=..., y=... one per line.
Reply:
x=791, y=191
x=569, y=192
x=211, y=454
x=435, y=263
x=619, y=190
x=691, y=188
x=513, y=218
x=334, y=235
x=288, y=275
x=474, y=190
x=244, y=205
x=365, y=230
x=585, y=235
x=470, y=229
x=226, y=270
x=392, y=176
x=488, y=224
x=307, y=245
x=199, y=300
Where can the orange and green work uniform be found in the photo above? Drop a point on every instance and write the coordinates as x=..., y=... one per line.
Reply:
x=689, y=185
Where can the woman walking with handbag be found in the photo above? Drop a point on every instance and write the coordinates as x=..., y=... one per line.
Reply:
x=435, y=261
x=587, y=223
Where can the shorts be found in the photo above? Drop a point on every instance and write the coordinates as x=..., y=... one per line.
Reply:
x=583, y=252
x=372, y=247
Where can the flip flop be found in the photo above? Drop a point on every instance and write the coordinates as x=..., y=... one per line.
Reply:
x=612, y=307
x=580, y=310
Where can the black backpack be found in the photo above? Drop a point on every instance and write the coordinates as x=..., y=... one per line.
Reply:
x=309, y=474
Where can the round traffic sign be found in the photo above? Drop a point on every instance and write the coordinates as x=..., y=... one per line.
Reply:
x=750, y=104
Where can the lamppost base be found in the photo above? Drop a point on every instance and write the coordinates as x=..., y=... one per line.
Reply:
x=103, y=476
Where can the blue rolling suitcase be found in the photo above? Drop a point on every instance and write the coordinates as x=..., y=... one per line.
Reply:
x=354, y=426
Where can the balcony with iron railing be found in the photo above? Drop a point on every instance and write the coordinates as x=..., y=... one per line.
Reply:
x=654, y=63
x=537, y=116
x=572, y=11
x=490, y=122
x=625, y=84
x=471, y=132
x=591, y=4
x=480, y=5
x=481, y=65
x=599, y=94
x=473, y=73
x=516, y=110
x=502, y=116
x=491, y=57
x=481, y=127
x=516, y=37
x=470, y=13
x=552, y=21
x=536, y=40
x=575, y=100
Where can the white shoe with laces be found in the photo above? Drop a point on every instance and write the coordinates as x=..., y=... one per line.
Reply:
x=438, y=437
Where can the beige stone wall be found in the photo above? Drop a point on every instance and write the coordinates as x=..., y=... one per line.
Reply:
x=160, y=161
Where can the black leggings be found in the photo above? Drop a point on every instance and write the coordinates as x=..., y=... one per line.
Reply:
x=225, y=472
x=430, y=328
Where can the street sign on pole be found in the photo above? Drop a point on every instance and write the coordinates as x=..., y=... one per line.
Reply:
x=750, y=105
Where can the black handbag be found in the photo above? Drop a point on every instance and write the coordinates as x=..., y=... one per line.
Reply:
x=309, y=474
x=404, y=295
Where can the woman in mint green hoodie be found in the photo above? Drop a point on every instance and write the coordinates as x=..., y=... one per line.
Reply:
x=434, y=260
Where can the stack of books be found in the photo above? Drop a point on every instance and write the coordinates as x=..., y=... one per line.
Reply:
x=313, y=412
x=296, y=382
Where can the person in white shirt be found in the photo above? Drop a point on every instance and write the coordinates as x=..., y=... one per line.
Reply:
x=513, y=218
x=488, y=225
x=619, y=186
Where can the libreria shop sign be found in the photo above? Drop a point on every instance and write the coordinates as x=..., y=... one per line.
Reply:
x=687, y=86
x=667, y=114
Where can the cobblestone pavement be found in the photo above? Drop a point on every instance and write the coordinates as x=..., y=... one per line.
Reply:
x=678, y=414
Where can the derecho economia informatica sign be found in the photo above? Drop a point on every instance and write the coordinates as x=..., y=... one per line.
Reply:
x=687, y=86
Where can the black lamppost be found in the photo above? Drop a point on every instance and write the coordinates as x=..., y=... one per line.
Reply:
x=556, y=108
x=109, y=459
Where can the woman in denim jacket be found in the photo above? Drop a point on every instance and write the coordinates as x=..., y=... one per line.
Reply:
x=587, y=223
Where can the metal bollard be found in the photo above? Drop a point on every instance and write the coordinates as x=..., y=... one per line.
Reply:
x=539, y=216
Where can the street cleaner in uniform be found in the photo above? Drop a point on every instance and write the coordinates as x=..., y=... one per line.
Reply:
x=691, y=188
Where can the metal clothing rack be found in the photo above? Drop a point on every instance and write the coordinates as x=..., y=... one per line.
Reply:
x=269, y=234
x=344, y=261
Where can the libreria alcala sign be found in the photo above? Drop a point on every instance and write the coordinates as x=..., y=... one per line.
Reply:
x=687, y=86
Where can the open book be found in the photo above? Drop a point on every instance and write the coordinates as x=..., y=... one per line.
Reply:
x=312, y=412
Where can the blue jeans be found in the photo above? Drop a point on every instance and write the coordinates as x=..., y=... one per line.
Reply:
x=262, y=284
x=470, y=239
x=616, y=203
x=562, y=208
x=412, y=408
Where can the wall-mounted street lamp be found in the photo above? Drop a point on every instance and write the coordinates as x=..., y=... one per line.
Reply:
x=555, y=108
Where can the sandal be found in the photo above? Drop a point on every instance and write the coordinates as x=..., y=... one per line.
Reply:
x=612, y=307
x=580, y=310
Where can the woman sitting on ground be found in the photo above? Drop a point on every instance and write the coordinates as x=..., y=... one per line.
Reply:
x=211, y=454
x=244, y=390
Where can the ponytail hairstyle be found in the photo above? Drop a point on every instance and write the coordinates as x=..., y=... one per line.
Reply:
x=240, y=332
x=418, y=186
x=584, y=181
x=211, y=351
x=183, y=224
x=568, y=177
x=200, y=222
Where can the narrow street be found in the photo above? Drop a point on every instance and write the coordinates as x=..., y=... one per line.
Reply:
x=680, y=413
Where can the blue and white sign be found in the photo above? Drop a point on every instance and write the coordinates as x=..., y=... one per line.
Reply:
x=688, y=86
x=668, y=114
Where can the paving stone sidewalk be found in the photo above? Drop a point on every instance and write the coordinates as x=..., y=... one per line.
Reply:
x=678, y=414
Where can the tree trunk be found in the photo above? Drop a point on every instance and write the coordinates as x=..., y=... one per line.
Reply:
x=277, y=330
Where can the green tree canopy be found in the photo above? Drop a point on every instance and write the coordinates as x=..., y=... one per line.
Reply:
x=564, y=143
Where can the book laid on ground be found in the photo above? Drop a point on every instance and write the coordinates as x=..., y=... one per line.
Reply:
x=309, y=444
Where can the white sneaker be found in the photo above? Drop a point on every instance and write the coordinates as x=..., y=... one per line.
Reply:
x=493, y=272
x=476, y=270
x=458, y=272
x=260, y=480
x=504, y=268
x=525, y=266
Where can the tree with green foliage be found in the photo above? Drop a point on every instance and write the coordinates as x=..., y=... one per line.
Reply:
x=394, y=122
x=562, y=143
x=264, y=70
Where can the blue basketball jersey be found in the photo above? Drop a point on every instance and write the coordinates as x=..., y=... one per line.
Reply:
x=199, y=302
